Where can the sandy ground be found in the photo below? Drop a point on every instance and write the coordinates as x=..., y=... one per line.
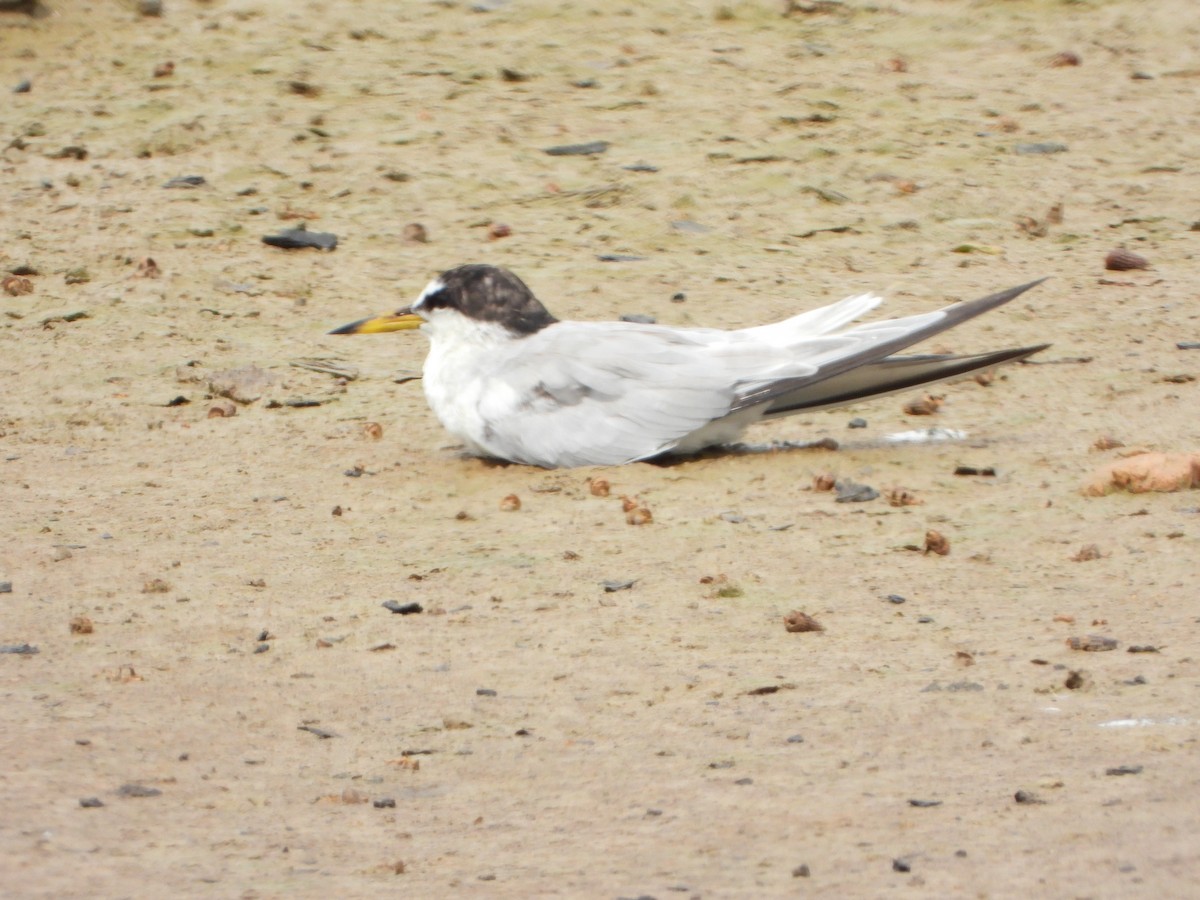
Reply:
x=529, y=734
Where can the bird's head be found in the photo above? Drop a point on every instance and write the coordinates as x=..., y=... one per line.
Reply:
x=479, y=294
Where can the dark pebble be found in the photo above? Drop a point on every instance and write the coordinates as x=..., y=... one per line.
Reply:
x=857, y=422
x=801, y=871
x=262, y=648
x=901, y=865
x=640, y=167
x=19, y=649
x=611, y=587
x=924, y=620
x=180, y=400
x=795, y=739
x=744, y=781
x=723, y=764
x=585, y=83
x=5, y=587
x=1124, y=770
x=403, y=609
x=619, y=257
x=384, y=803
x=137, y=790
x=264, y=635
x=1143, y=648
x=91, y=802
x=24, y=86
x=588, y=149
x=319, y=732
x=1135, y=680
x=186, y=181
x=986, y=471
x=484, y=692
x=1027, y=798
x=1189, y=345
x=924, y=804
x=961, y=854
x=678, y=297
x=895, y=598
x=300, y=238
x=852, y=492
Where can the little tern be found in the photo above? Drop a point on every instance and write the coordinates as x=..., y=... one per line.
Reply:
x=514, y=383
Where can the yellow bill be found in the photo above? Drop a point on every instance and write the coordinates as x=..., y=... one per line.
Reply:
x=404, y=320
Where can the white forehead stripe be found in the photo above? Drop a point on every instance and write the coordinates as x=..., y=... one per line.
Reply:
x=432, y=288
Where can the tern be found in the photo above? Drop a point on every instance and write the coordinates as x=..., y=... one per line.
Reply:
x=514, y=383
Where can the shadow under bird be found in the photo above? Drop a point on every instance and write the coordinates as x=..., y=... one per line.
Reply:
x=514, y=383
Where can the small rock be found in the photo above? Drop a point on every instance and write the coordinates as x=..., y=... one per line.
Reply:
x=300, y=239
x=852, y=492
x=484, y=692
x=611, y=587
x=1027, y=798
x=19, y=649
x=403, y=609
x=150, y=7
x=137, y=790
x=511, y=503
x=384, y=803
x=82, y=625
x=186, y=181
x=936, y=542
x=1087, y=553
x=901, y=865
x=91, y=802
x=1122, y=260
x=589, y=149
x=924, y=804
x=415, y=233
x=1124, y=770
x=801, y=871
x=798, y=622
x=857, y=423
x=1093, y=643
x=1040, y=149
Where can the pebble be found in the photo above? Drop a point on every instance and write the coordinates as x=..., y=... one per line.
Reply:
x=589, y=149
x=857, y=422
x=186, y=181
x=611, y=587
x=1043, y=148
x=924, y=804
x=384, y=803
x=896, y=598
x=403, y=609
x=1124, y=770
x=484, y=692
x=901, y=865
x=795, y=739
x=150, y=7
x=24, y=86
x=19, y=649
x=91, y=802
x=801, y=871
x=137, y=790
x=852, y=492
x=5, y=587
x=1027, y=798
x=301, y=238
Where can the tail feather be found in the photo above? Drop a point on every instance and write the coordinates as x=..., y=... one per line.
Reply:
x=888, y=376
x=875, y=344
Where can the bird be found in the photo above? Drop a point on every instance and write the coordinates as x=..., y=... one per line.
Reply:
x=516, y=384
